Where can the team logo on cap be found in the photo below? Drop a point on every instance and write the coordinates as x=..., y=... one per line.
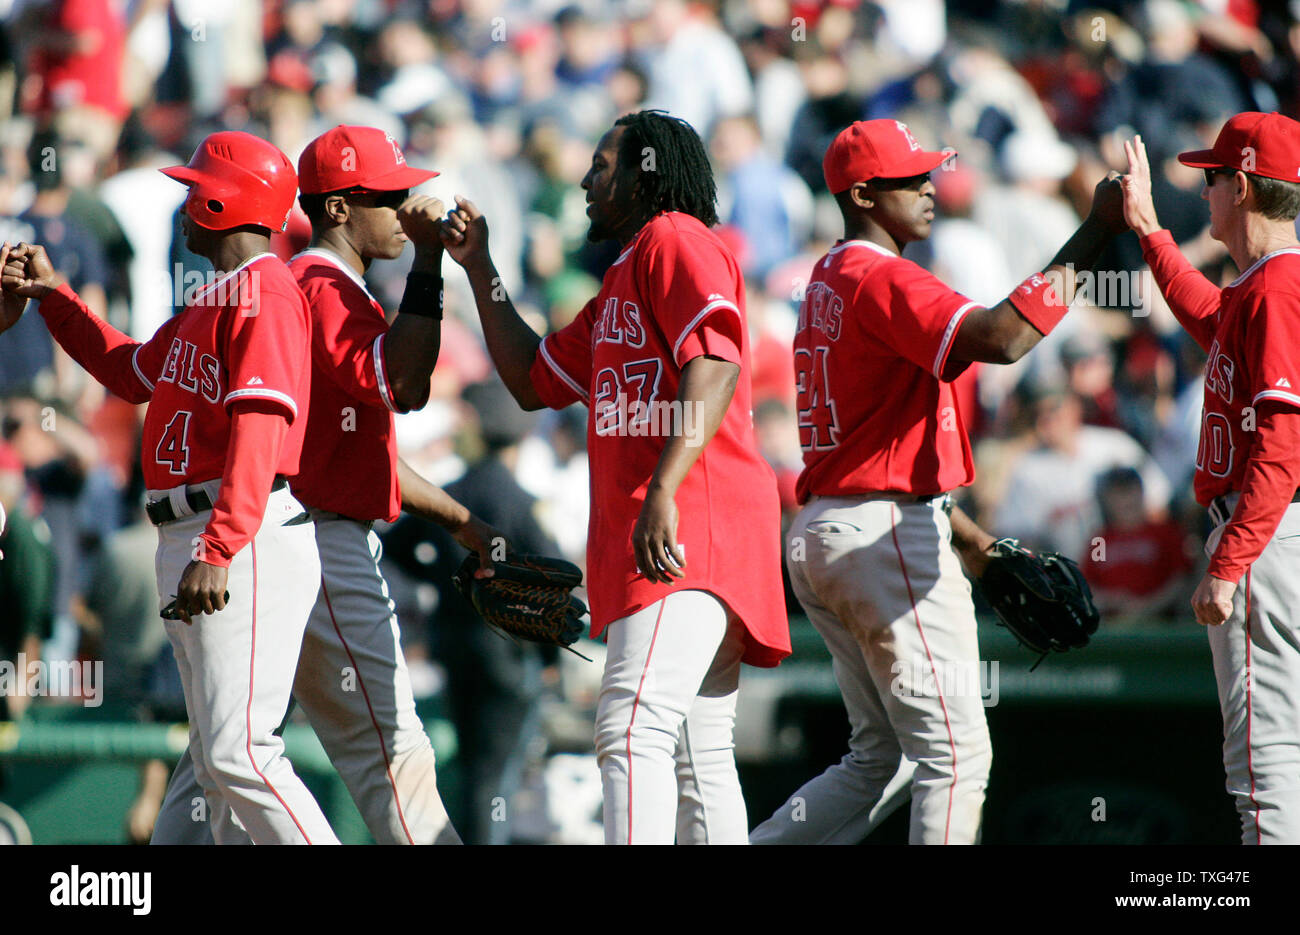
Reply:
x=397, y=150
x=912, y=144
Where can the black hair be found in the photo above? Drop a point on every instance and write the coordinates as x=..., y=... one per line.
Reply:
x=314, y=207
x=671, y=163
x=1275, y=199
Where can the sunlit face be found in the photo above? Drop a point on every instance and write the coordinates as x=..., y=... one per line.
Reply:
x=611, y=202
x=1220, y=191
x=372, y=224
x=903, y=207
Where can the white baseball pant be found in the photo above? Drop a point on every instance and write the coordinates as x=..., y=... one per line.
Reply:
x=1257, y=667
x=237, y=668
x=353, y=685
x=882, y=585
x=664, y=724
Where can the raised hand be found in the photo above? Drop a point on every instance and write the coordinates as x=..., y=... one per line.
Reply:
x=421, y=220
x=1139, y=209
x=1108, y=203
x=465, y=233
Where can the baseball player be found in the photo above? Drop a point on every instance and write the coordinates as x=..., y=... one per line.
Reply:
x=871, y=555
x=1247, y=466
x=226, y=382
x=683, y=549
x=352, y=679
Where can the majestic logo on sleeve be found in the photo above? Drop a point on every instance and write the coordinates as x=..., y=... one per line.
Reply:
x=185, y=367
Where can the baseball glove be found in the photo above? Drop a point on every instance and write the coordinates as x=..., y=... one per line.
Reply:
x=528, y=597
x=1041, y=598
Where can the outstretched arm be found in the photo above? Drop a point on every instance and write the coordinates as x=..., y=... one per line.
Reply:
x=511, y=342
x=106, y=353
x=1191, y=296
x=1007, y=331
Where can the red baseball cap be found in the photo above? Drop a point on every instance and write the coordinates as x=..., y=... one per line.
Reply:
x=356, y=157
x=1261, y=144
x=876, y=149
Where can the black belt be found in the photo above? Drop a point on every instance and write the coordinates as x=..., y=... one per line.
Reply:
x=160, y=511
x=1220, y=513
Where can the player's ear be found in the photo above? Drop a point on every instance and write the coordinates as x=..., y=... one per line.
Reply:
x=862, y=195
x=1242, y=186
x=336, y=209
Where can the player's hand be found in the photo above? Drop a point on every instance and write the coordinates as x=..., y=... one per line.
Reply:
x=421, y=220
x=12, y=305
x=29, y=273
x=465, y=233
x=1139, y=209
x=202, y=590
x=1212, y=602
x=479, y=537
x=654, y=540
x=1108, y=204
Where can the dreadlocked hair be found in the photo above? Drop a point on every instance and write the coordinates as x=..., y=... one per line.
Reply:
x=671, y=163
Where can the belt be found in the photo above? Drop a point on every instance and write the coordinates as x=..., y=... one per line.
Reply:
x=894, y=496
x=1221, y=511
x=160, y=511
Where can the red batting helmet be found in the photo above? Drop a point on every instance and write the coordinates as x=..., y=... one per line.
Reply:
x=235, y=179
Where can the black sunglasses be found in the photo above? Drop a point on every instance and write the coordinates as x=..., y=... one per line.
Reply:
x=1211, y=173
x=911, y=182
x=391, y=199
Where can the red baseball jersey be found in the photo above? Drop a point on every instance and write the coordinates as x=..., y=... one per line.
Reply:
x=1138, y=561
x=876, y=409
x=244, y=337
x=1253, y=342
x=349, y=458
x=674, y=294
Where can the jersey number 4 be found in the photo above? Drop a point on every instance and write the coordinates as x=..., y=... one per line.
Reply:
x=173, y=448
x=819, y=425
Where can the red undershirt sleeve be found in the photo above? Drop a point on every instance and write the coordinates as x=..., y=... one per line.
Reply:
x=257, y=431
x=1193, y=299
x=1271, y=479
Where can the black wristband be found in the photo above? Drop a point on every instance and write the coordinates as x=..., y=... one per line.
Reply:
x=423, y=296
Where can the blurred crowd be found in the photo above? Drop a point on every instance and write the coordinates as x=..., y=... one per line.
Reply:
x=1086, y=447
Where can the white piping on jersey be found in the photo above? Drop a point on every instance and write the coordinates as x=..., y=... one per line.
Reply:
x=623, y=256
x=1276, y=394
x=949, y=333
x=242, y=266
x=385, y=392
x=1260, y=262
x=559, y=372
x=863, y=243
x=265, y=394
x=716, y=303
x=135, y=365
x=329, y=256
